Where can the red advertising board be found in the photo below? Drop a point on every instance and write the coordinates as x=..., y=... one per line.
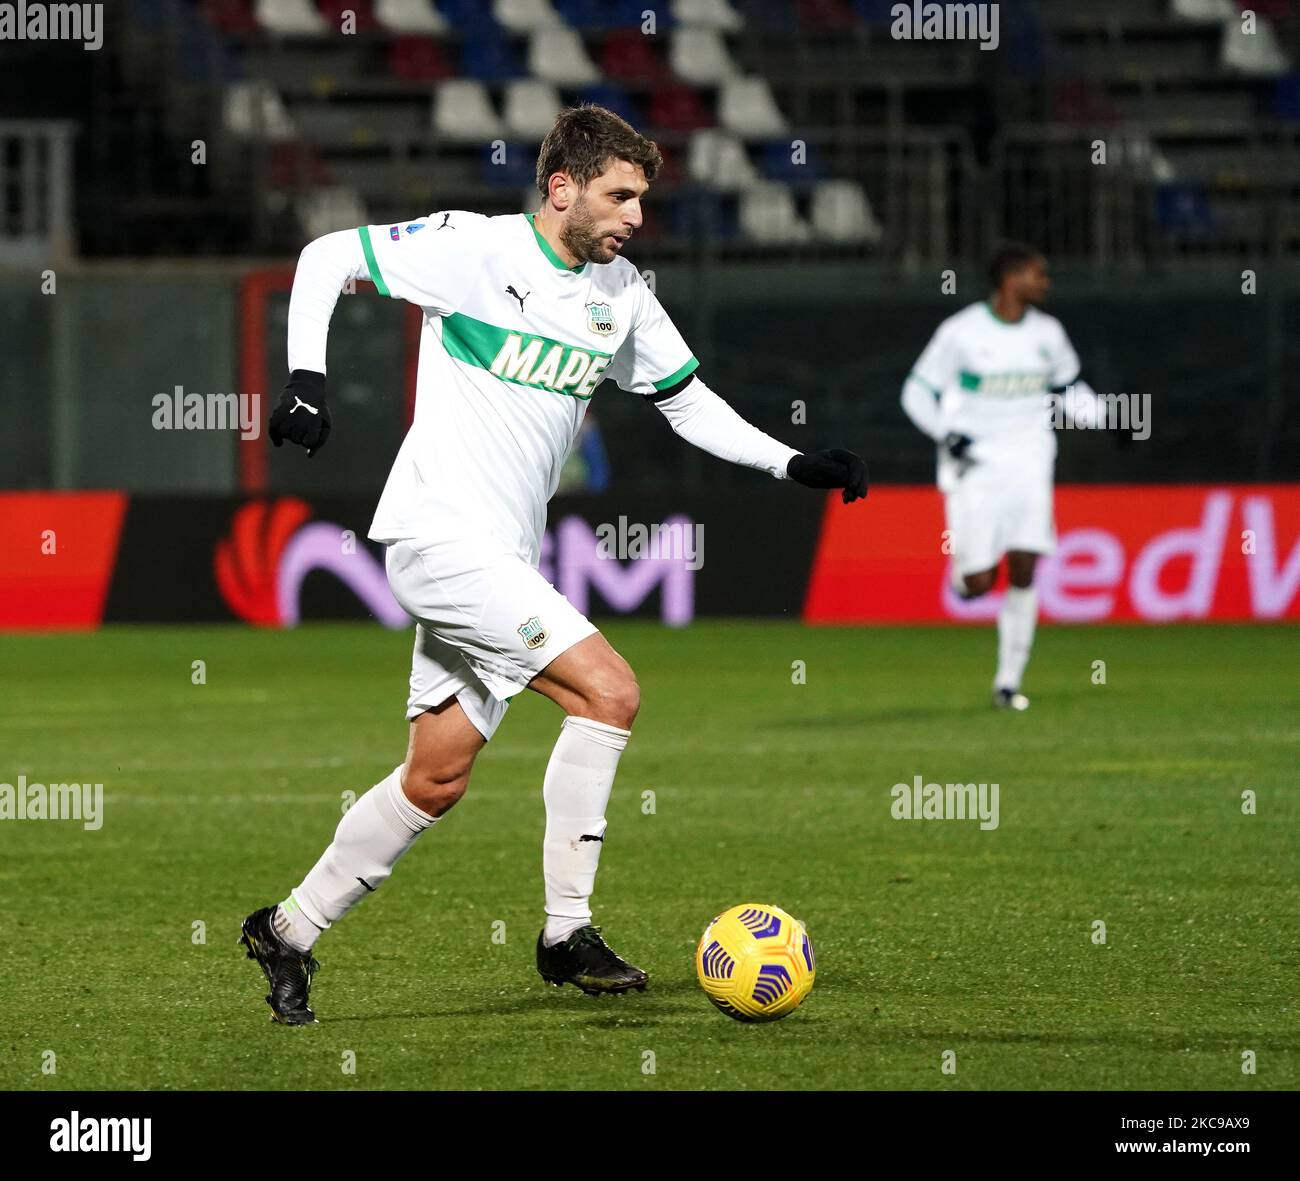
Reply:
x=57, y=552
x=1125, y=552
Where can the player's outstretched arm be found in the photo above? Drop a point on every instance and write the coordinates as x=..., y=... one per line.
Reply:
x=705, y=420
x=325, y=265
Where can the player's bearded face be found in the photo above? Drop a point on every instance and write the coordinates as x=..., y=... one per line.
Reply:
x=583, y=237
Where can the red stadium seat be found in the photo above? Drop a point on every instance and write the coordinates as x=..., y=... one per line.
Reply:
x=294, y=166
x=418, y=59
x=628, y=55
x=826, y=14
x=231, y=16
x=679, y=108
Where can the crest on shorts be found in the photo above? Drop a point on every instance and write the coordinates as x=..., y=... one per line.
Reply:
x=534, y=634
x=600, y=319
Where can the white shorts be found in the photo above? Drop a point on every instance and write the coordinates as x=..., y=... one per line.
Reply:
x=487, y=624
x=994, y=509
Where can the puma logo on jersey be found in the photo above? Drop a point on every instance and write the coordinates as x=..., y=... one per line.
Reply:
x=299, y=402
x=520, y=298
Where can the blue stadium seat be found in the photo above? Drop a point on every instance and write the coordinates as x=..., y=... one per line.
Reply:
x=775, y=163
x=626, y=14
x=469, y=16
x=488, y=58
x=516, y=172
x=1286, y=97
x=584, y=14
x=1027, y=42
x=615, y=98
x=874, y=12
x=1183, y=208
x=771, y=16
x=704, y=213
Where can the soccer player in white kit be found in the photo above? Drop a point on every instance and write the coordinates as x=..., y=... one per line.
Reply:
x=524, y=316
x=983, y=391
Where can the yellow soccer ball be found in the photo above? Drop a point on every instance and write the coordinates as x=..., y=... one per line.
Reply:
x=755, y=962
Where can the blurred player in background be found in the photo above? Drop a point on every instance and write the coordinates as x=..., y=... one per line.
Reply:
x=524, y=316
x=983, y=390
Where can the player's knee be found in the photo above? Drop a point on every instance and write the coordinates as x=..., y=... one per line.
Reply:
x=435, y=789
x=979, y=584
x=614, y=700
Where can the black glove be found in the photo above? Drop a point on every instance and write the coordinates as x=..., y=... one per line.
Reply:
x=830, y=469
x=302, y=416
x=957, y=445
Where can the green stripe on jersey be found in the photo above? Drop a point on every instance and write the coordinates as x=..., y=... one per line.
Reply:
x=969, y=380
x=375, y=277
x=673, y=378
x=917, y=377
x=537, y=362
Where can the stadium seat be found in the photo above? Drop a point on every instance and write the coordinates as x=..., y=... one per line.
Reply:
x=612, y=98
x=718, y=159
x=531, y=106
x=678, y=108
x=292, y=18
x=1184, y=209
x=469, y=16
x=1257, y=54
x=558, y=55
x=771, y=16
x=463, y=112
x=297, y=165
x=746, y=106
x=627, y=55
x=703, y=214
x=418, y=59
x=826, y=14
x=627, y=14
x=514, y=167
x=1286, y=97
x=583, y=14
x=525, y=16
x=1205, y=10
x=487, y=56
x=841, y=213
x=768, y=214
x=874, y=12
x=708, y=14
x=700, y=56
x=410, y=16
x=254, y=110
x=334, y=12
x=778, y=163
x=335, y=207
x=231, y=16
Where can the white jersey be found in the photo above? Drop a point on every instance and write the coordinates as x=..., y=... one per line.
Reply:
x=513, y=346
x=992, y=380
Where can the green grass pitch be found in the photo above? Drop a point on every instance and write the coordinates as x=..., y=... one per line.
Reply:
x=1120, y=802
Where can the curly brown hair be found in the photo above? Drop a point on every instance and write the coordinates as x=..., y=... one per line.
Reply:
x=584, y=140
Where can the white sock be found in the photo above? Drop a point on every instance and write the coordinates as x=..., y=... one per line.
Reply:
x=1016, y=622
x=370, y=838
x=576, y=789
